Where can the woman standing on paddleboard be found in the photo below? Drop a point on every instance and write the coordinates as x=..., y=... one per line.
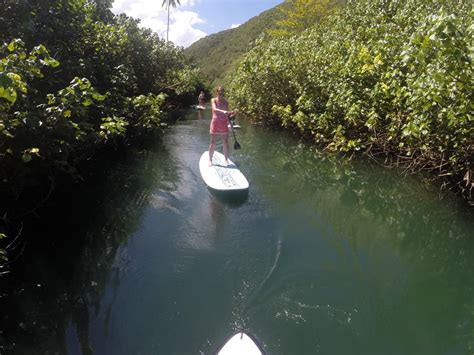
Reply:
x=201, y=99
x=219, y=124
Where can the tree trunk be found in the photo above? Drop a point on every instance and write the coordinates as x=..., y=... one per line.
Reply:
x=168, y=27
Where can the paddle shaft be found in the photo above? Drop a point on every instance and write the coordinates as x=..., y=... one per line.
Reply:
x=236, y=144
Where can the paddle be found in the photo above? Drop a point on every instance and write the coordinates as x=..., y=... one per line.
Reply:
x=236, y=144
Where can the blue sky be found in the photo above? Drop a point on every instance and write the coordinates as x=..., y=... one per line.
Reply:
x=194, y=19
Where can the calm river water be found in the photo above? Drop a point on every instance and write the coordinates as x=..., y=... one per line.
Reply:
x=323, y=256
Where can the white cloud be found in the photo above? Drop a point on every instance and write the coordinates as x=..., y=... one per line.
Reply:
x=181, y=28
x=154, y=16
x=234, y=25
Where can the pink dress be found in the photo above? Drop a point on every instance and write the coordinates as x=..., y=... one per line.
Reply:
x=219, y=121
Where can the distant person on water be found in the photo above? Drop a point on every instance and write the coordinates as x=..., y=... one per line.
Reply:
x=219, y=124
x=201, y=99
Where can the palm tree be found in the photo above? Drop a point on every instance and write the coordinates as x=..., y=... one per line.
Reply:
x=169, y=3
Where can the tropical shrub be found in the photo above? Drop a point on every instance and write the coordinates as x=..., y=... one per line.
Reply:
x=392, y=79
x=74, y=78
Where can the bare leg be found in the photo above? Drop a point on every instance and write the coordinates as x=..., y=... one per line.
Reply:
x=225, y=144
x=212, y=147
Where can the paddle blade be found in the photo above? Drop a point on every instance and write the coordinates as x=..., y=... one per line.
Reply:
x=237, y=145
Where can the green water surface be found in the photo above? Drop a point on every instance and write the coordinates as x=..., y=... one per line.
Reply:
x=323, y=256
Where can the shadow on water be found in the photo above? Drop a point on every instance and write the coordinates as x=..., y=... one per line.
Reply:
x=48, y=296
x=233, y=199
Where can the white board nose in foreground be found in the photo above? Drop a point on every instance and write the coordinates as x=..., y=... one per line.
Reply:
x=240, y=344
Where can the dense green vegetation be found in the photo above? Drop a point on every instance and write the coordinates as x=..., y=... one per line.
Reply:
x=74, y=79
x=298, y=15
x=218, y=55
x=389, y=79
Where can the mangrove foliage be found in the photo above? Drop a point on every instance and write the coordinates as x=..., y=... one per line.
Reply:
x=75, y=79
x=389, y=79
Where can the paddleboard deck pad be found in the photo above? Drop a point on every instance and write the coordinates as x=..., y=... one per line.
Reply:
x=240, y=344
x=219, y=176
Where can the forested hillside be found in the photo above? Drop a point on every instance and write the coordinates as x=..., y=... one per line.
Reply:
x=218, y=54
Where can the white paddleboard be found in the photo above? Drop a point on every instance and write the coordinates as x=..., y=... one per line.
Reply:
x=219, y=176
x=199, y=107
x=236, y=126
x=240, y=344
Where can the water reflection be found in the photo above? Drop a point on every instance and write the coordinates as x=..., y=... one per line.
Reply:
x=320, y=249
x=109, y=212
x=233, y=199
x=372, y=230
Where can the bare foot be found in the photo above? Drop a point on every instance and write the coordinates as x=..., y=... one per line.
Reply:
x=226, y=163
x=209, y=163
